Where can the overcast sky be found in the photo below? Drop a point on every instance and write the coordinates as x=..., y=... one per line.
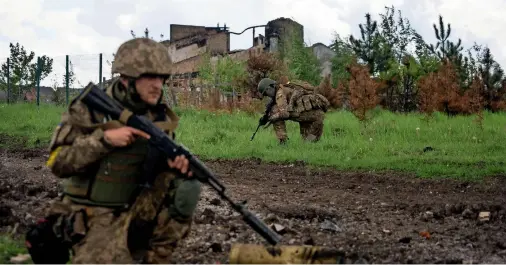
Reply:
x=85, y=28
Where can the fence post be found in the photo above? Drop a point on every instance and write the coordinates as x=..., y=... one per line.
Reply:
x=100, y=70
x=67, y=79
x=38, y=80
x=8, y=80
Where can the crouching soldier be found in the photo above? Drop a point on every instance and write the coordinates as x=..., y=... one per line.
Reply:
x=296, y=102
x=105, y=215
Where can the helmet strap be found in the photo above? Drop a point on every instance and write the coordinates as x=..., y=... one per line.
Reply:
x=132, y=90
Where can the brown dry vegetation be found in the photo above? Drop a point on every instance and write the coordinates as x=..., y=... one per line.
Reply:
x=260, y=66
x=363, y=91
x=334, y=95
x=440, y=91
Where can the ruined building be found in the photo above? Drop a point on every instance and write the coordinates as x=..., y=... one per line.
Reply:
x=188, y=43
x=279, y=30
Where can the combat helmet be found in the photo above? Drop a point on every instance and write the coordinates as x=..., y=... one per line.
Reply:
x=264, y=84
x=142, y=56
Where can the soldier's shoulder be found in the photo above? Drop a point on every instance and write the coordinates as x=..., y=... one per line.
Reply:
x=298, y=84
x=170, y=114
x=80, y=113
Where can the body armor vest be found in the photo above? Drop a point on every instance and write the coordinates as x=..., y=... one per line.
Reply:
x=114, y=180
x=303, y=97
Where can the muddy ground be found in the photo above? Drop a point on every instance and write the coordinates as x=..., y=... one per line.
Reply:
x=375, y=218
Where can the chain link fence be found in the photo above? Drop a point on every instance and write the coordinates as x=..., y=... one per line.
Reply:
x=54, y=80
x=58, y=80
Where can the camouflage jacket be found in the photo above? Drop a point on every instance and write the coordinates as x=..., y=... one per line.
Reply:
x=295, y=98
x=78, y=141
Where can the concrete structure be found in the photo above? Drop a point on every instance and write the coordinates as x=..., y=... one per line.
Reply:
x=282, y=30
x=324, y=54
x=188, y=44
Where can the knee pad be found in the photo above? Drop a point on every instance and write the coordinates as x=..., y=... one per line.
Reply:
x=186, y=197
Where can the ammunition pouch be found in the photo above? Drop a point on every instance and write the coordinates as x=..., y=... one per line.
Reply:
x=50, y=240
x=186, y=197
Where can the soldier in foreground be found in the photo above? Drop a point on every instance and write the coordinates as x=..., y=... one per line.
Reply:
x=295, y=102
x=102, y=165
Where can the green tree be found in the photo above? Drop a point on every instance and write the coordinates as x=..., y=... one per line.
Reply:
x=492, y=76
x=397, y=34
x=301, y=61
x=371, y=48
x=344, y=56
x=404, y=66
x=23, y=69
x=446, y=49
x=225, y=71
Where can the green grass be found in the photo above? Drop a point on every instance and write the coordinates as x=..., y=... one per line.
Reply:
x=10, y=247
x=389, y=142
x=32, y=126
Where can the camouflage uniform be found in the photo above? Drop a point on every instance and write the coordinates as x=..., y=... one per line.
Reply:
x=297, y=102
x=103, y=181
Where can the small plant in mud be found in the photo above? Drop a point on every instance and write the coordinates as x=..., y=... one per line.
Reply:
x=475, y=100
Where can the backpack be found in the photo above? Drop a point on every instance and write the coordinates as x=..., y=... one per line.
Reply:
x=304, y=97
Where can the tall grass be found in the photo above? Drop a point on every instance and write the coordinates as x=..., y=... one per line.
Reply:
x=439, y=147
x=10, y=247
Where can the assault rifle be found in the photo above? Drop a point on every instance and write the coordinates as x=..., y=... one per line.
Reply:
x=265, y=117
x=98, y=100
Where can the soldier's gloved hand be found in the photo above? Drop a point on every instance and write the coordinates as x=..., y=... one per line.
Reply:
x=263, y=120
x=182, y=164
x=123, y=136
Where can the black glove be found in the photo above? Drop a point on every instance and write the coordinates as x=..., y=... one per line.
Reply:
x=263, y=120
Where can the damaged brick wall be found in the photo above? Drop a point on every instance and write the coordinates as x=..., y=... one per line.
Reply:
x=219, y=43
x=188, y=66
x=179, y=32
x=185, y=52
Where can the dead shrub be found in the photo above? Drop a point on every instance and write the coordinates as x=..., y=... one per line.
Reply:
x=440, y=91
x=496, y=99
x=427, y=96
x=363, y=91
x=475, y=100
x=333, y=95
x=260, y=66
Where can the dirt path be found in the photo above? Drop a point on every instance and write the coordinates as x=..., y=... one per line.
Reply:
x=376, y=217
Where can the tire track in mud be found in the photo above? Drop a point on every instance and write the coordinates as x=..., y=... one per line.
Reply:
x=381, y=218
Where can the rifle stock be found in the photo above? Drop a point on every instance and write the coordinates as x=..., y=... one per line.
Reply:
x=98, y=100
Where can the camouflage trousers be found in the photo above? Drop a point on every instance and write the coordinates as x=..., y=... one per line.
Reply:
x=310, y=125
x=106, y=239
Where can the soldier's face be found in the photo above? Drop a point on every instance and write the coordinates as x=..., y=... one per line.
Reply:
x=270, y=92
x=149, y=88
